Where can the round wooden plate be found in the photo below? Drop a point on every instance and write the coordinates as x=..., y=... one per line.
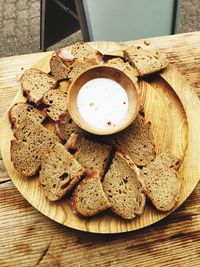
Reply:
x=174, y=111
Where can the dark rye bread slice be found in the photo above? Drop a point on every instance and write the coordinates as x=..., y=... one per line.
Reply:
x=123, y=66
x=61, y=63
x=123, y=189
x=91, y=155
x=160, y=181
x=59, y=172
x=89, y=198
x=137, y=141
x=66, y=126
x=146, y=61
x=36, y=83
x=19, y=111
x=56, y=101
x=26, y=151
x=83, y=51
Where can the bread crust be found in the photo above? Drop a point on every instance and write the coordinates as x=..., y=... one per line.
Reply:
x=66, y=65
x=29, y=173
x=14, y=124
x=27, y=92
x=74, y=200
x=51, y=108
x=104, y=151
x=125, y=168
x=65, y=184
x=157, y=59
x=148, y=187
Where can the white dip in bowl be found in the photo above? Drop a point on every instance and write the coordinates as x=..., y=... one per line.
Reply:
x=102, y=102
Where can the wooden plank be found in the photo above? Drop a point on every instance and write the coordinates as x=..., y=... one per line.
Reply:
x=28, y=237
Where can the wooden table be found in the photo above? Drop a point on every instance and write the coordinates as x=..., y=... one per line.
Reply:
x=28, y=238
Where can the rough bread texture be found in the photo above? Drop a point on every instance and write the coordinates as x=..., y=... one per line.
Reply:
x=36, y=83
x=89, y=197
x=146, y=61
x=25, y=157
x=123, y=188
x=160, y=181
x=19, y=111
x=80, y=67
x=32, y=132
x=91, y=155
x=26, y=152
x=137, y=141
x=124, y=66
x=61, y=64
x=66, y=127
x=56, y=101
x=59, y=172
x=83, y=51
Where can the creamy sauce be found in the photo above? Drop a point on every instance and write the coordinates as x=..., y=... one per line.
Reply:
x=102, y=103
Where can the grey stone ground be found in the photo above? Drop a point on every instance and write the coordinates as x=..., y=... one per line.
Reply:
x=20, y=25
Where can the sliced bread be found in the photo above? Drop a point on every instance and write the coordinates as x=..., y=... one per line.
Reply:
x=83, y=51
x=59, y=172
x=56, y=101
x=91, y=155
x=124, y=66
x=160, y=181
x=26, y=151
x=137, y=141
x=123, y=189
x=25, y=157
x=35, y=83
x=66, y=127
x=146, y=61
x=80, y=67
x=32, y=132
x=19, y=111
x=61, y=63
x=89, y=197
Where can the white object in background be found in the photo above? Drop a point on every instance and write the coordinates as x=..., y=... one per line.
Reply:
x=121, y=20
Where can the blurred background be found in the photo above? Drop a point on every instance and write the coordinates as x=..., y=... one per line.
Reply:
x=27, y=26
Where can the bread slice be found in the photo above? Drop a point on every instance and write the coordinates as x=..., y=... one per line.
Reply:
x=25, y=157
x=66, y=127
x=91, y=155
x=26, y=152
x=19, y=111
x=146, y=61
x=61, y=63
x=83, y=51
x=35, y=83
x=59, y=172
x=89, y=197
x=123, y=189
x=124, y=66
x=161, y=182
x=35, y=133
x=137, y=141
x=56, y=101
x=80, y=67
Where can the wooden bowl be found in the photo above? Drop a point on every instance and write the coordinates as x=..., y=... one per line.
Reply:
x=109, y=73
